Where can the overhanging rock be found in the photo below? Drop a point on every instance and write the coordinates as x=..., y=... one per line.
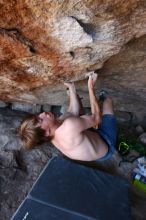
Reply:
x=43, y=43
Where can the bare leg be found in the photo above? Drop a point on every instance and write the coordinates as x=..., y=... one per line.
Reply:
x=107, y=107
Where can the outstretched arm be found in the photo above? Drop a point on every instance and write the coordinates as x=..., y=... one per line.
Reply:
x=75, y=105
x=93, y=101
x=79, y=124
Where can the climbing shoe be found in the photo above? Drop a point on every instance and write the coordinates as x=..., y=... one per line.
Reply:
x=103, y=95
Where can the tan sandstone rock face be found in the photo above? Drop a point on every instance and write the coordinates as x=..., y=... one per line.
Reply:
x=44, y=43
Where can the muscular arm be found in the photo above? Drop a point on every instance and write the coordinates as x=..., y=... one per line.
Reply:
x=75, y=106
x=76, y=125
x=93, y=101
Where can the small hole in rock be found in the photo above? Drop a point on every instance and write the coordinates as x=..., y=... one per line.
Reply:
x=72, y=54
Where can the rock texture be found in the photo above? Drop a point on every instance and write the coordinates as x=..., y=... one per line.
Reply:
x=43, y=43
x=19, y=168
x=125, y=76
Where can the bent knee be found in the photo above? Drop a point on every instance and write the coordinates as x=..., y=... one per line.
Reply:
x=108, y=106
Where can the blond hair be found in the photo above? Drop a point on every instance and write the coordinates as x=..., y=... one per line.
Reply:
x=30, y=133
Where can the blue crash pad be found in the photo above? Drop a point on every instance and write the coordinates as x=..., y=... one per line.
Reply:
x=66, y=190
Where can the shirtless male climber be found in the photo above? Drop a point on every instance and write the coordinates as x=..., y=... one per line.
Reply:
x=71, y=133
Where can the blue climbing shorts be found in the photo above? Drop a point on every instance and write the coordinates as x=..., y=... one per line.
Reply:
x=108, y=132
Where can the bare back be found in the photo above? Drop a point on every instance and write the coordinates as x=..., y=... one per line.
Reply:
x=85, y=145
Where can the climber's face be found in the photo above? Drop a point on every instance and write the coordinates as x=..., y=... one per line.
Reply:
x=46, y=120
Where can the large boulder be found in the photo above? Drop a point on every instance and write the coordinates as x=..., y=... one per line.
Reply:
x=43, y=43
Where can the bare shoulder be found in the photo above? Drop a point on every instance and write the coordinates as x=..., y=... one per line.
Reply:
x=65, y=133
x=69, y=123
x=77, y=124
